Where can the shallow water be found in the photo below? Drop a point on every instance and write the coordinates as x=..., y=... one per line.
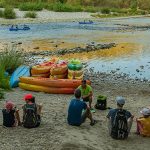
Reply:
x=128, y=60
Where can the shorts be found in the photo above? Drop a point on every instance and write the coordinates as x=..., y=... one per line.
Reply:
x=83, y=117
x=86, y=99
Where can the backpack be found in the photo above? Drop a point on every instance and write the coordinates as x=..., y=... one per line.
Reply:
x=8, y=117
x=101, y=102
x=30, y=118
x=120, y=126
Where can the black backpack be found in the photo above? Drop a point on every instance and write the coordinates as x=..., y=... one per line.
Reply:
x=8, y=117
x=101, y=102
x=120, y=126
x=30, y=118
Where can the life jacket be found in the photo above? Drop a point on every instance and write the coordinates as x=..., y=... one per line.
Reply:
x=144, y=124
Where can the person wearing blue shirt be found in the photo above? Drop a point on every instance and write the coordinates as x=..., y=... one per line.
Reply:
x=112, y=113
x=76, y=116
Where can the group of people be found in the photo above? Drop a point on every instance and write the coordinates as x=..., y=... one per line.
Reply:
x=119, y=120
x=31, y=113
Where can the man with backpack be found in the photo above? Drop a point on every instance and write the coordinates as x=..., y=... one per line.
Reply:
x=31, y=112
x=119, y=120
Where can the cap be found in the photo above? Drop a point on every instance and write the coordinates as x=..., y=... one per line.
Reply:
x=28, y=96
x=120, y=100
x=145, y=111
x=9, y=105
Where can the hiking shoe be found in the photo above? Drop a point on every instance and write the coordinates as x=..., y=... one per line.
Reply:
x=92, y=110
x=93, y=123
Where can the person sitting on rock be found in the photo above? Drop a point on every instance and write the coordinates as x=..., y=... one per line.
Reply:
x=143, y=123
x=119, y=120
x=11, y=116
x=31, y=112
x=78, y=111
x=86, y=92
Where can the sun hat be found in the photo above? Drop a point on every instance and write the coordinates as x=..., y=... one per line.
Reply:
x=120, y=100
x=145, y=111
x=9, y=105
x=28, y=97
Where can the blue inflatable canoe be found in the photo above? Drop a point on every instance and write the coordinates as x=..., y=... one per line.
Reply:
x=16, y=29
x=19, y=72
x=84, y=22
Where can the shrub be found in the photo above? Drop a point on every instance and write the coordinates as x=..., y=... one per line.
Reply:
x=1, y=14
x=59, y=7
x=11, y=58
x=1, y=94
x=31, y=6
x=105, y=11
x=4, y=80
x=117, y=10
x=91, y=9
x=30, y=15
x=9, y=13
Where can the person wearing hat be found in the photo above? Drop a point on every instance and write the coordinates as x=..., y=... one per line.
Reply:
x=86, y=92
x=120, y=101
x=31, y=104
x=78, y=111
x=143, y=123
x=11, y=116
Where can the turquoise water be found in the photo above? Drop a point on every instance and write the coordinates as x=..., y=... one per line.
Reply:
x=106, y=29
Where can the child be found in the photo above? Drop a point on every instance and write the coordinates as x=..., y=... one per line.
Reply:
x=31, y=112
x=10, y=115
x=143, y=123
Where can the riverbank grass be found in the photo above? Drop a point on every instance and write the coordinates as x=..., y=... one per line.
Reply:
x=30, y=15
x=10, y=59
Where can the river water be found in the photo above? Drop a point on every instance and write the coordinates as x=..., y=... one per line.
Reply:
x=133, y=59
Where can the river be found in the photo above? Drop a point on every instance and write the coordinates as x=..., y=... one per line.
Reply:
x=131, y=58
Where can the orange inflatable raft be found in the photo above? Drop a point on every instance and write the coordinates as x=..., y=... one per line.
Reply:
x=58, y=83
x=51, y=90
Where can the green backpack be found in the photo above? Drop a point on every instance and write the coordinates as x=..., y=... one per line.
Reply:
x=101, y=102
x=30, y=118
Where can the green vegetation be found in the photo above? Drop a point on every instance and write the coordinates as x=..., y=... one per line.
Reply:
x=30, y=15
x=1, y=94
x=9, y=13
x=31, y=6
x=10, y=59
x=59, y=7
x=105, y=11
x=106, y=7
x=1, y=14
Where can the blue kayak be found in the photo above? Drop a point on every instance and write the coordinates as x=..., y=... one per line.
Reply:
x=19, y=72
x=17, y=29
x=86, y=22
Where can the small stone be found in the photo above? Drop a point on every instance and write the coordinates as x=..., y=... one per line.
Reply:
x=36, y=47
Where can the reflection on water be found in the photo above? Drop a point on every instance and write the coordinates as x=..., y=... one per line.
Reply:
x=127, y=57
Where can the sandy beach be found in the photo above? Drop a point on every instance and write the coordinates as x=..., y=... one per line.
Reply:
x=54, y=132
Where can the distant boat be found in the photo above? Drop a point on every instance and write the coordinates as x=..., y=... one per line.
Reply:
x=86, y=22
x=17, y=28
